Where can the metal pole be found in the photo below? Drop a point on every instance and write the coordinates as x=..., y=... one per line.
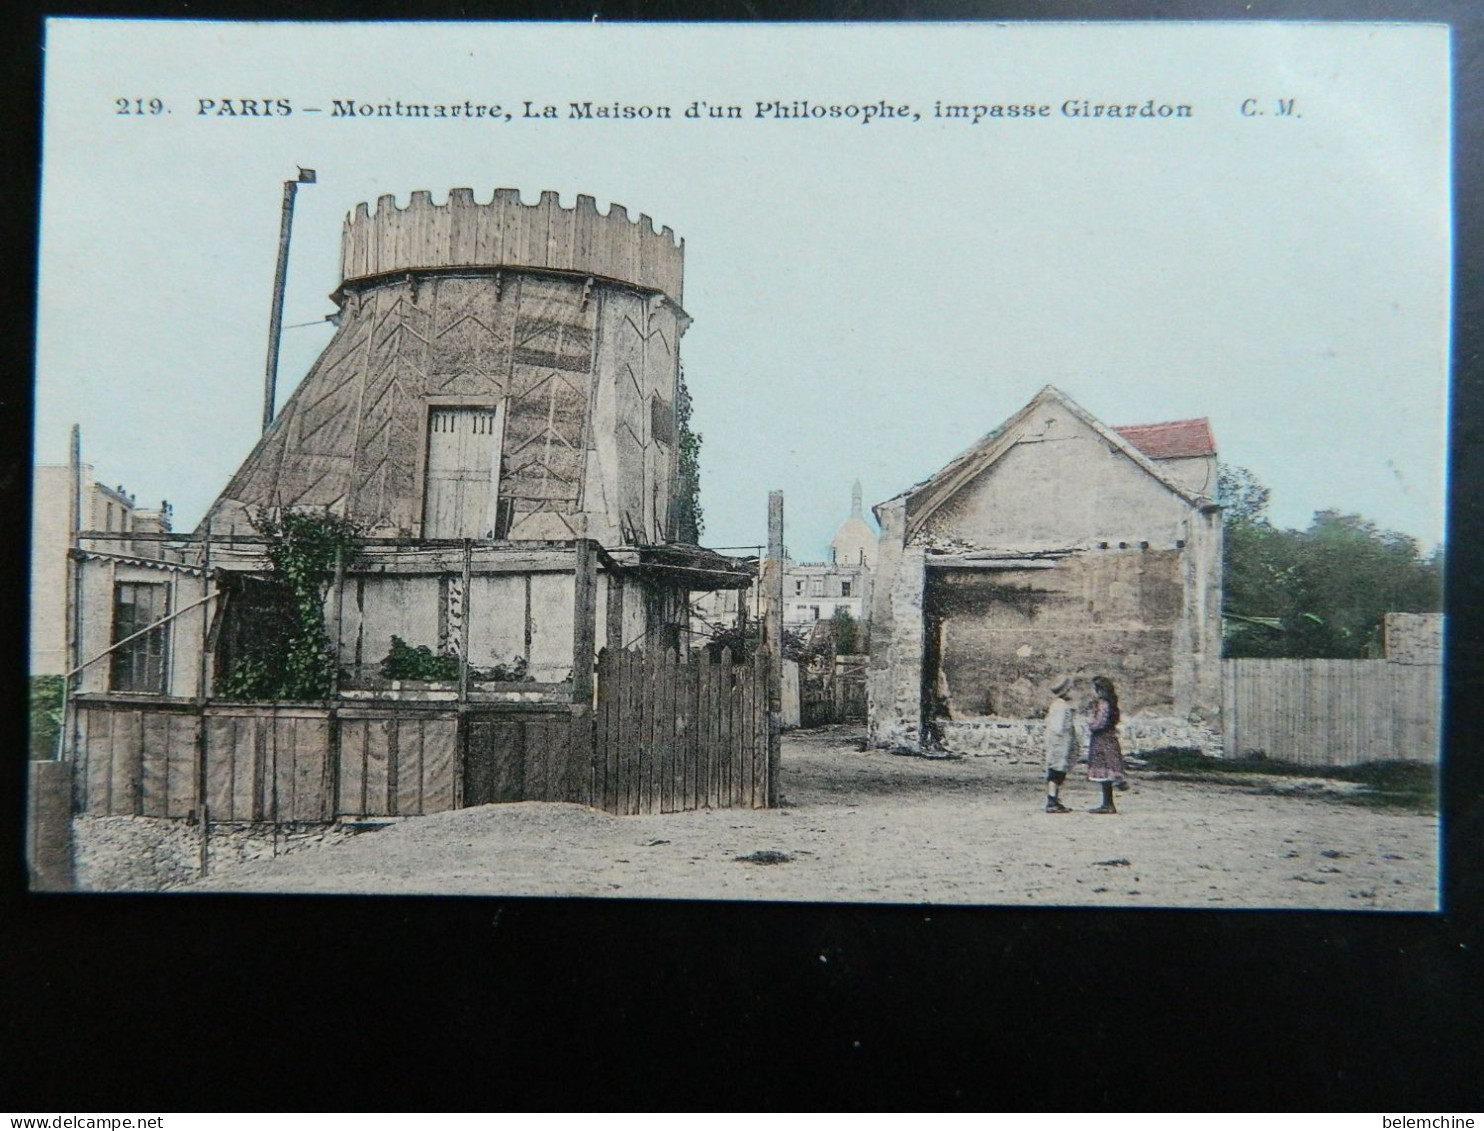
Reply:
x=72, y=597
x=280, y=274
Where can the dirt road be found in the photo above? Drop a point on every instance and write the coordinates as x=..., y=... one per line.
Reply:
x=877, y=827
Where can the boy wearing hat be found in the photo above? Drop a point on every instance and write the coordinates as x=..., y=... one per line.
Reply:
x=1061, y=739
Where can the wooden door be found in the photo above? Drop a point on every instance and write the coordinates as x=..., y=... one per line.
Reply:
x=463, y=472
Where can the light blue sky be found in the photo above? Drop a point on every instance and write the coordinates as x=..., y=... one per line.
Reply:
x=868, y=299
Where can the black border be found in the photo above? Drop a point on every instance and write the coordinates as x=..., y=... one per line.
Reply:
x=118, y=1003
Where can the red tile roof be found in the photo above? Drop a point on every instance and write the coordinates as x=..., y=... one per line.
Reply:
x=1173, y=439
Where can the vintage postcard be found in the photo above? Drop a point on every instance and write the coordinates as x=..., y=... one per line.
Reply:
x=992, y=464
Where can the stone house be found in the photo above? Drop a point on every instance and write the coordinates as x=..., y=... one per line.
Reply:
x=1056, y=544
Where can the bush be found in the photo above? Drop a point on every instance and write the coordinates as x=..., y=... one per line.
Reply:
x=422, y=663
x=46, y=716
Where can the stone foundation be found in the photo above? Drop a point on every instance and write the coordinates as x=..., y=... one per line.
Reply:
x=156, y=853
x=1019, y=741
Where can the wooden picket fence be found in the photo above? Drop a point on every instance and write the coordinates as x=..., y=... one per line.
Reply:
x=673, y=734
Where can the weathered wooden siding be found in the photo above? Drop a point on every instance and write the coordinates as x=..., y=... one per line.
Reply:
x=523, y=756
x=580, y=367
x=674, y=735
x=1332, y=712
x=397, y=765
x=506, y=231
x=309, y=764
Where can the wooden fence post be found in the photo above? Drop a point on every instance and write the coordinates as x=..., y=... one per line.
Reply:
x=773, y=642
x=584, y=639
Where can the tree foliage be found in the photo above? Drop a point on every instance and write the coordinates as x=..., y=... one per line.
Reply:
x=845, y=632
x=1316, y=593
x=689, y=523
x=46, y=716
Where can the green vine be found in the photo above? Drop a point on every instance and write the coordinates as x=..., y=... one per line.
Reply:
x=292, y=656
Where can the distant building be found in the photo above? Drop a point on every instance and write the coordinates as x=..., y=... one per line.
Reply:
x=109, y=510
x=815, y=591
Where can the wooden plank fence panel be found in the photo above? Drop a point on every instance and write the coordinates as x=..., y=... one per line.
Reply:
x=352, y=768
x=125, y=762
x=716, y=787
x=650, y=753
x=440, y=763
x=755, y=697
x=597, y=796
x=409, y=767
x=180, y=765
x=632, y=732
x=705, y=731
x=545, y=746
x=154, y=763
x=1332, y=712
x=92, y=736
x=378, y=770
x=665, y=732
x=671, y=733
x=311, y=739
x=222, y=737
x=246, y=771
x=685, y=746
x=726, y=717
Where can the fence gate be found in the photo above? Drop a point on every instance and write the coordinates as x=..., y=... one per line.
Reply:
x=673, y=734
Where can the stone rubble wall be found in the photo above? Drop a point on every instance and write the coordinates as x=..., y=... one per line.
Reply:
x=1414, y=638
x=1021, y=741
x=156, y=853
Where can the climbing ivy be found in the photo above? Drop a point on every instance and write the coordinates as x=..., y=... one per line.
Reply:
x=690, y=524
x=292, y=657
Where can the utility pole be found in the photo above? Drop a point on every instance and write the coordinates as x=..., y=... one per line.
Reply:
x=275, y=321
x=773, y=604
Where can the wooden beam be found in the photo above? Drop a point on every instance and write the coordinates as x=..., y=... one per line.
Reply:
x=581, y=750
x=465, y=574
x=773, y=641
x=613, y=631
x=584, y=622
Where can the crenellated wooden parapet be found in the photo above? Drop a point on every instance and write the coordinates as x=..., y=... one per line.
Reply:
x=506, y=232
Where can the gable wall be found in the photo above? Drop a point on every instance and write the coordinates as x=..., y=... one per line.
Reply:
x=1060, y=485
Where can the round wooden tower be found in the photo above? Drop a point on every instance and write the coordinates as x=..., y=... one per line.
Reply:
x=500, y=371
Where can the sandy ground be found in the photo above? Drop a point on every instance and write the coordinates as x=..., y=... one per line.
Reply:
x=877, y=827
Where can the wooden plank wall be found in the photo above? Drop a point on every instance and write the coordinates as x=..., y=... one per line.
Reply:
x=397, y=765
x=674, y=735
x=1332, y=712
x=140, y=763
x=522, y=756
x=266, y=764
x=670, y=736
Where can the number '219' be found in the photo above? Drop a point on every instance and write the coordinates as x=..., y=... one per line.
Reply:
x=138, y=106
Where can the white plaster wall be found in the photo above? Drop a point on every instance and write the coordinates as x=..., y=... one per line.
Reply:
x=388, y=606
x=551, y=626
x=184, y=632
x=496, y=616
